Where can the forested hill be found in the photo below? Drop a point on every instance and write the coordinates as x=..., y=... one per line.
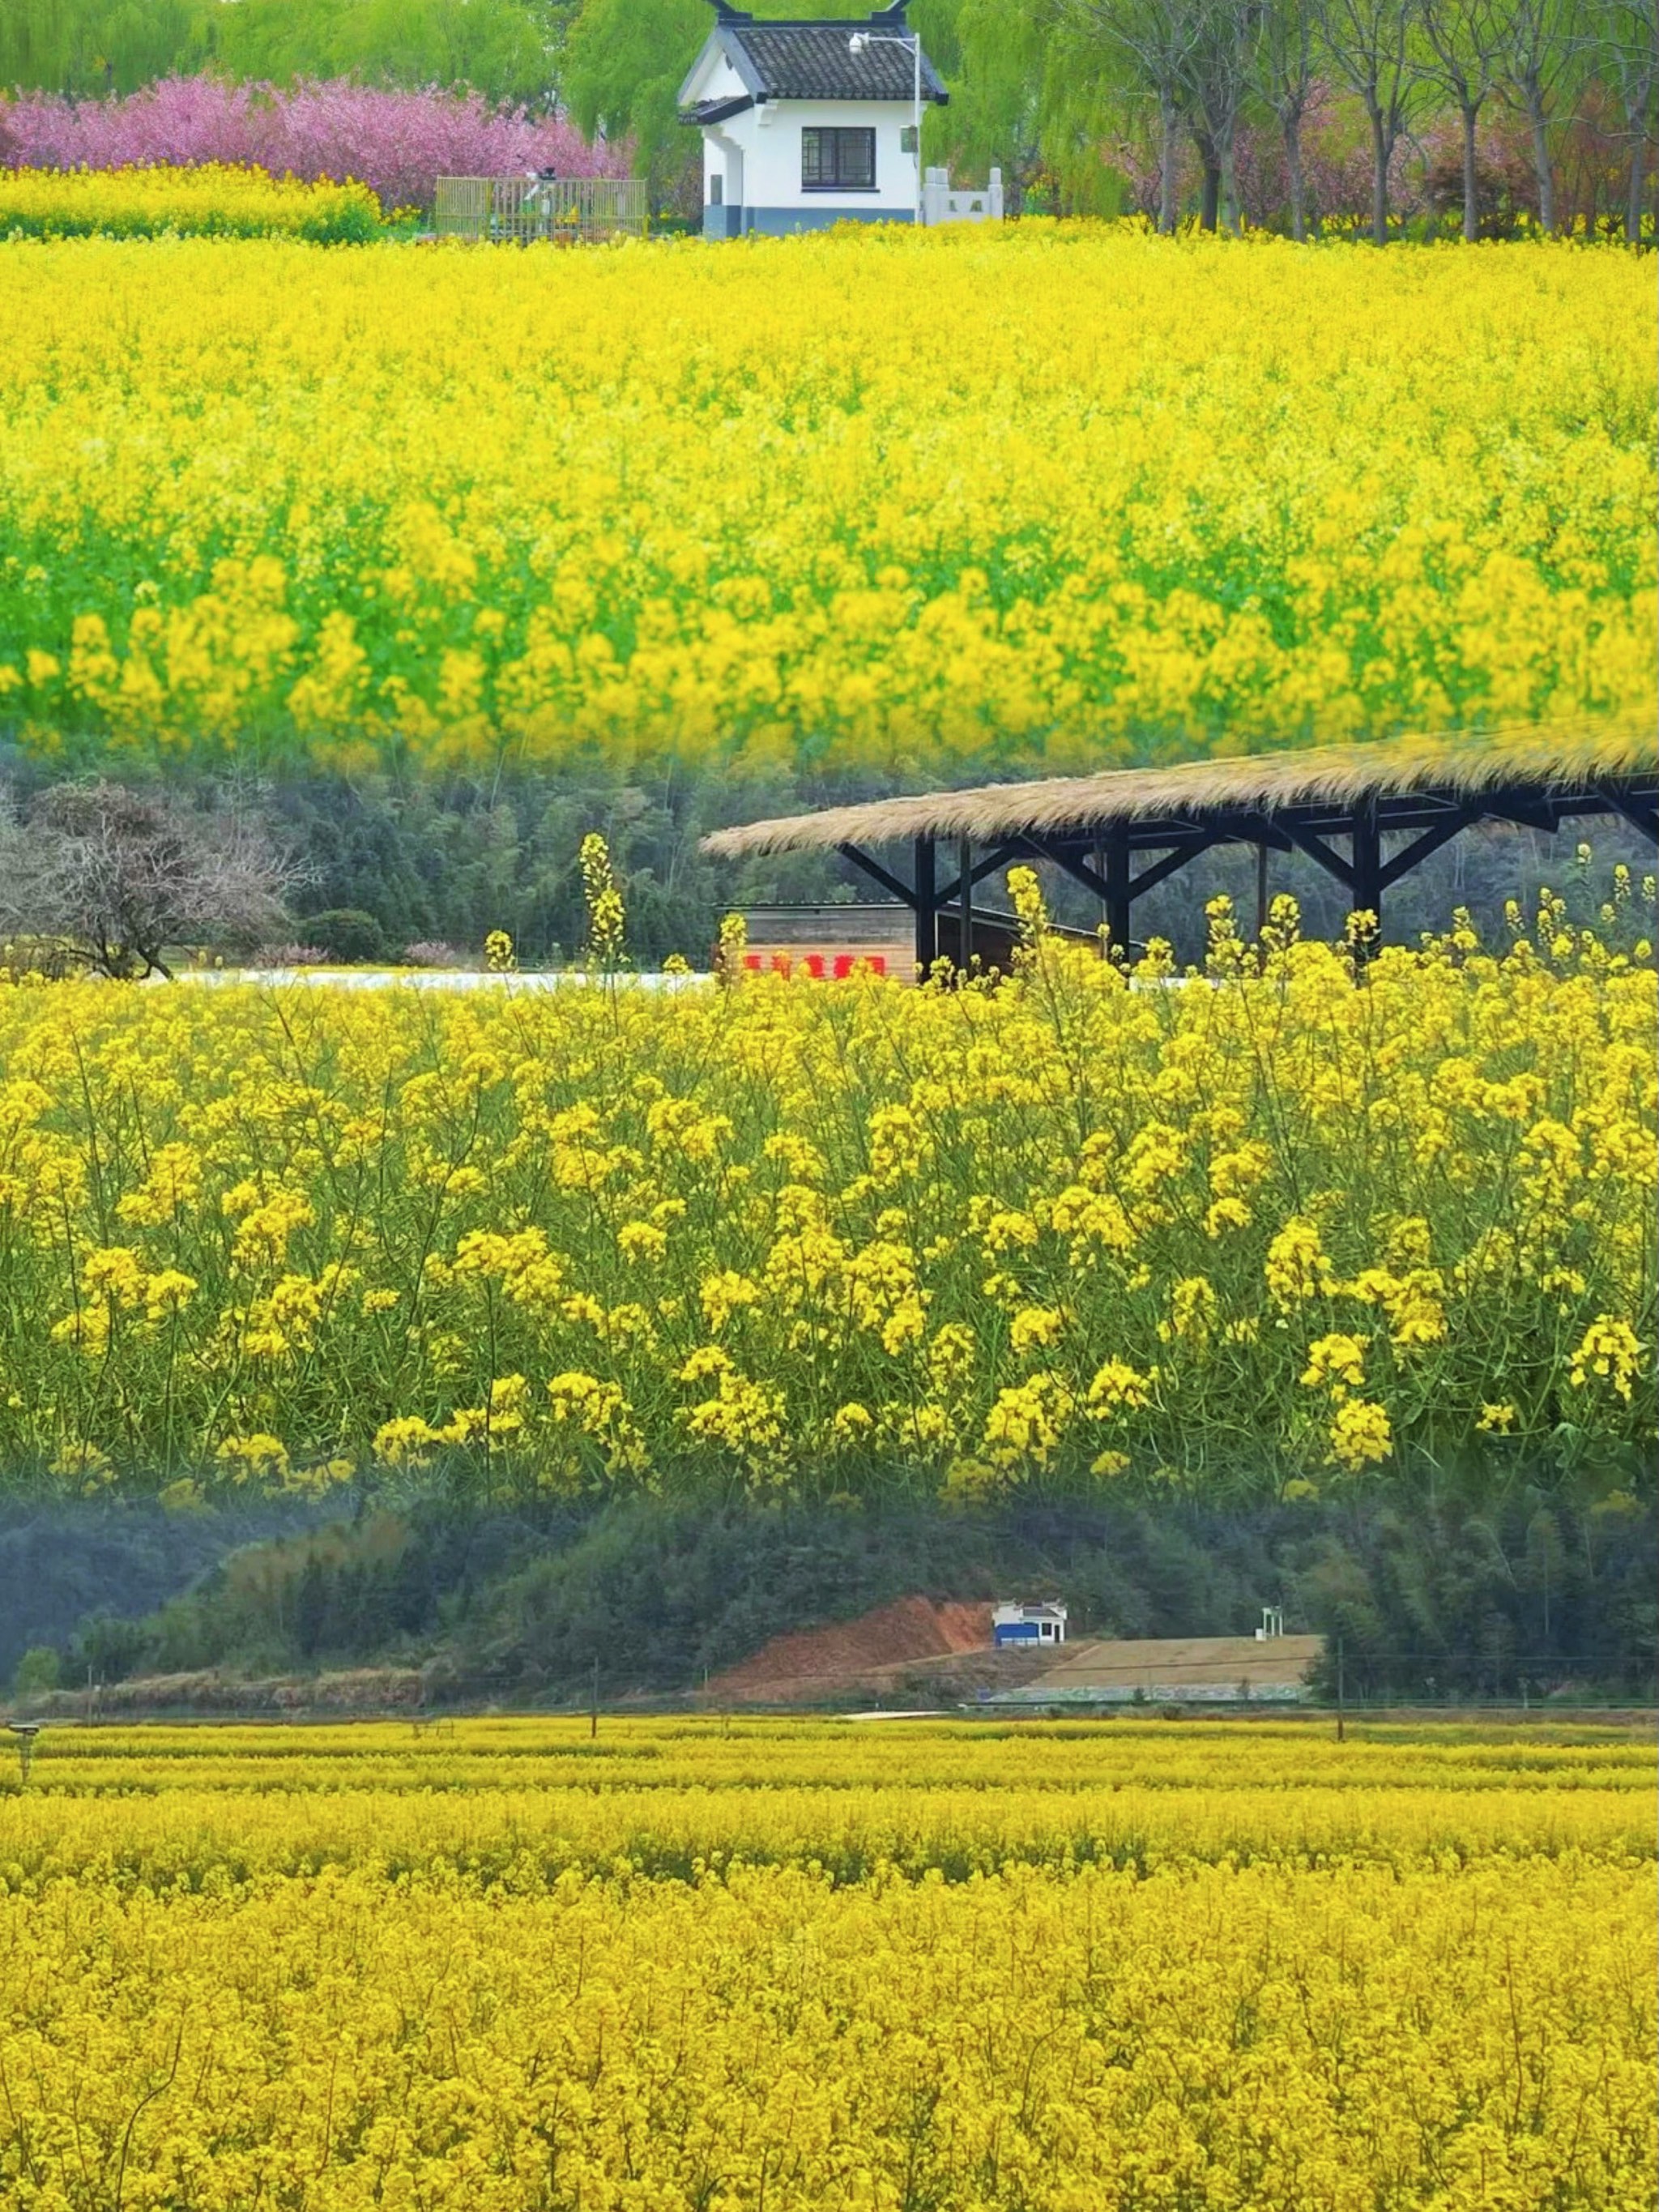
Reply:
x=1539, y=1595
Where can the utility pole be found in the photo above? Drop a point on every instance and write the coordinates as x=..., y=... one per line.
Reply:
x=593, y=1709
x=1341, y=1713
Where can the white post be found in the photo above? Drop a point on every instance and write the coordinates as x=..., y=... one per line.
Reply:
x=915, y=48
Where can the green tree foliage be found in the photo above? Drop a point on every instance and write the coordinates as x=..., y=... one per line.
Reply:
x=624, y=65
x=82, y=47
x=63, y=1564
x=505, y=48
x=1027, y=96
x=495, y=46
x=37, y=1670
x=345, y=932
x=445, y=860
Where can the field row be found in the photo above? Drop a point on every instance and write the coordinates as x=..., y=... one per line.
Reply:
x=1062, y=1230
x=523, y=1805
x=1110, y=495
x=459, y=1754
x=1049, y=1969
x=1253, y=2040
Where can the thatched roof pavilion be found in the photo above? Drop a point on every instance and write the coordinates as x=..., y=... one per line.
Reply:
x=1423, y=789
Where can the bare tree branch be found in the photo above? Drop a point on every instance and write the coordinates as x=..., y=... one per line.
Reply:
x=113, y=877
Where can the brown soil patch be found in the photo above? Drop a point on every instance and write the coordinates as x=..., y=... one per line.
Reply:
x=817, y=1662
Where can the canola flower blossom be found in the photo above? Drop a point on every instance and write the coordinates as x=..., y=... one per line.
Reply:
x=692, y=1965
x=214, y=200
x=1070, y=1228
x=1106, y=497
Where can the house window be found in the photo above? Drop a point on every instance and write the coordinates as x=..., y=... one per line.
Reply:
x=837, y=161
x=716, y=190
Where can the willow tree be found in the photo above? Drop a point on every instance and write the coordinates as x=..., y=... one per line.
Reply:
x=1282, y=65
x=1373, y=46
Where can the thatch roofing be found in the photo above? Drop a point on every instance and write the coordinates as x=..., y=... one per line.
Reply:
x=1541, y=759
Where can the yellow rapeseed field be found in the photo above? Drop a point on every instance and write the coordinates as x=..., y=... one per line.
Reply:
x=1137, y=1967
x=213, y=200
x=1075, y=1229
x=873, y=500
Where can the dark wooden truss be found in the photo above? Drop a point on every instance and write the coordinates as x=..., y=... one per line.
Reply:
x=1120, y=861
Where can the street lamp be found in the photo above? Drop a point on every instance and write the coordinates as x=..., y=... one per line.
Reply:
x=856, y=44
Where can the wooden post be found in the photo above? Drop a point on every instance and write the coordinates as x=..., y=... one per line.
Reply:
x=1341, y=1702
x=1365, y=895
x=594, y=1710
x=1260, y=890
x=1117, y=893
x=927, y=910
x=964, y=866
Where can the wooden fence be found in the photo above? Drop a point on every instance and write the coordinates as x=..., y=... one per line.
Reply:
x=572, y=209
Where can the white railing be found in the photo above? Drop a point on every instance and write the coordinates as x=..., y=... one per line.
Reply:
x=518, y=208
x=943, y=202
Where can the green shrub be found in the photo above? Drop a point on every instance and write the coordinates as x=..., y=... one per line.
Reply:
x=346, y=932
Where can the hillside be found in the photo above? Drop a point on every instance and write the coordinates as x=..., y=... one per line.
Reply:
x=753, y=1603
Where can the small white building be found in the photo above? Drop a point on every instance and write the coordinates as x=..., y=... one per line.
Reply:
x=807, y=124
x=1018, y=1624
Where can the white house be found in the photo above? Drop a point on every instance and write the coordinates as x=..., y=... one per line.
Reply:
x=1028, y=1625
x=805, y=124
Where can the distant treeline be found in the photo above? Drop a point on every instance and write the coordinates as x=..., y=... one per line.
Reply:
x=1429, y=114
x=505, y=48
x=1533, y=1594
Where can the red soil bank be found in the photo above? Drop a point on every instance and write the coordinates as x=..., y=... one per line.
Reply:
x=912, y=1628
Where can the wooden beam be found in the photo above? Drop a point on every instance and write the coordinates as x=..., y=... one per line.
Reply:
x=1160, y=871
x=951, y=895
x=1115, y=890
x=1074, y=865
x=1644, y=818
x=876, y=873
x=1525, y=815
x=1260, y=829
x=1430, y=841
x=1318, y=849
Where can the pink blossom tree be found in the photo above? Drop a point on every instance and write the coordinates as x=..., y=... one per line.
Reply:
x=396, y=142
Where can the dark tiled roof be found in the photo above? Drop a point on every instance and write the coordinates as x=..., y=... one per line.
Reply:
x=717, y=111
x=814, y=61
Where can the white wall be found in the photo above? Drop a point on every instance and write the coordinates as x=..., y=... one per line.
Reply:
x=769, y=138
x=723, y=157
